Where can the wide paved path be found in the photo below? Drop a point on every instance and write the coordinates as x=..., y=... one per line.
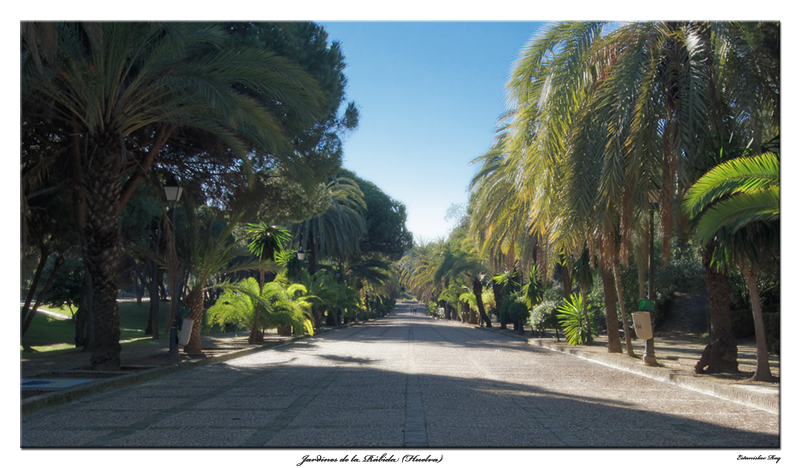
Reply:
x=404, y=381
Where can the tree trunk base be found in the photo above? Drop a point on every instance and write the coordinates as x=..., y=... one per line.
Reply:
x=256, y=336
x=766, y=378
x=720, y=356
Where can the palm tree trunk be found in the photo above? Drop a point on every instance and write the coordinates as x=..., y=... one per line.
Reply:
x=612, y=322
x=566, y=278
x=585, y=310
x=498, y=302
x=477, y=289
x=763, y=372
x=618, y=282
x=194, y=302
x=255, y=332
x=101, y=249
x=722, y=354
x=84, y=331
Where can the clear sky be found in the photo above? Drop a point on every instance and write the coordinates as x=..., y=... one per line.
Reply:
x=429, y=96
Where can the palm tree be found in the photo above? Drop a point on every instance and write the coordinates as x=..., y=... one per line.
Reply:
x=265, y=243
x=607, y=121
x=120, y=90
x=450, y=298
x=321, y=291
x=336, y=228
x=282, y=305
x=737, y=203
x=208, y=250
x=418, y=267
x=460, y=260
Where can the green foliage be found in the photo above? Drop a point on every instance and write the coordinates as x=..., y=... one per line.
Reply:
x=48, y=333
x=684, y=272
x=432, y=309
x=380, y=305
x=67, y=286
x=772, y=326
x=513, y=310
x=734, y=194
x=280, y=306
x=576, y=320
x=533, y=292
x=235, y=306
x=337, y=225
x=544, y=315
x=469, y=298
x=387, y=234
x=508, y=282
x=267, y=242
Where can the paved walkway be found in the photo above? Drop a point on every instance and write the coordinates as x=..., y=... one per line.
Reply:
x=402, y=382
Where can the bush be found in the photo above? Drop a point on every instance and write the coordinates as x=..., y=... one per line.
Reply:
x=434, y=310
x=772, y=326
x=544, y=315
x=577, y=324
x=513, y=310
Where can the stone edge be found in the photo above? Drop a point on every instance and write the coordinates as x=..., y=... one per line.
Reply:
x=766, y=403
x=31, y=405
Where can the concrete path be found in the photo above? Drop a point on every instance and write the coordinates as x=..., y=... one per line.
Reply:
x=403, y=381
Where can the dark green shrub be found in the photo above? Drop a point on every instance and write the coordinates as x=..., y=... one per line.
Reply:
x=772, y=326
x=514, y=310
x=742, y=325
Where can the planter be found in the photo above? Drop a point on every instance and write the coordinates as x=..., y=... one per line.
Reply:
x=285, y=331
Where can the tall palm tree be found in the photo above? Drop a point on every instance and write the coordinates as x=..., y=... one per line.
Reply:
x=120, y=90
x=609, y=121
x=418, y=267
x=460, y=260
x=737, y=203
x=338, y=225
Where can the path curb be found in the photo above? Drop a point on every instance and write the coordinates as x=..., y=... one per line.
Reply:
x=728, y=392
x=33, y=404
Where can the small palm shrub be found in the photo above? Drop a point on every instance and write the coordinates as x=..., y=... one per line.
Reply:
x=281, y=306
x=576, y=320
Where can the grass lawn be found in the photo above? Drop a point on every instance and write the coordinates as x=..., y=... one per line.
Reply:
x=48, y=334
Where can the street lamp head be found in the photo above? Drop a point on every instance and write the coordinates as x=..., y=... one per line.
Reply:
x=173, y=190
x=300, y=254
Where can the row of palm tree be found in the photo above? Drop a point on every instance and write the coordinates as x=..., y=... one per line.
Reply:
x=609, y=129
x=335, y=285
x=116, y=95
x=247, y=113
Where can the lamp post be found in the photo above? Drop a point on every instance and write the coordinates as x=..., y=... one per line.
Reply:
x=173, y=191
x=649, y=345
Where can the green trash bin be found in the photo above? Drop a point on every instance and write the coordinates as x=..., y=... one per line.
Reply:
x=646, y=305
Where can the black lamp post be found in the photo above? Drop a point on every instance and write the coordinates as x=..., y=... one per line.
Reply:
x=173, y=191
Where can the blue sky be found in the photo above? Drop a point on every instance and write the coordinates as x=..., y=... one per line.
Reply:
x=429, y=95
